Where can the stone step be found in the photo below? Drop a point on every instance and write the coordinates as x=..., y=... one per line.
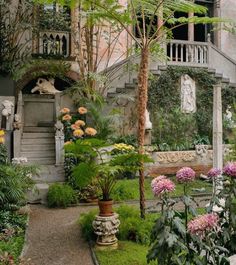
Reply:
x=38, y=141
x=211, y=71
x=157, y=72
x=32, y=135
x=41, y=161
x=37, y=147
x=49, y=174
x=112, y=95
x=225, y=80
x=126, y=90
x=162, y=68
x=130, y=86
x=218, y=75
x=38, y=154
x=38, y=129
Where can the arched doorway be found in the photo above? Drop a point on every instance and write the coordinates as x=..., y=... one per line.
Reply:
x=39, y=100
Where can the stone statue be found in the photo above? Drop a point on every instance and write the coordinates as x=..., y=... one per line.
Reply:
x=7, y=108
x=45, y=87
x=188, y=94
x=59, y=128
x=17, y=123
x=148, y=123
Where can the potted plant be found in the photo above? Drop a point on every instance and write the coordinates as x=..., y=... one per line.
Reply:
x=104, y=166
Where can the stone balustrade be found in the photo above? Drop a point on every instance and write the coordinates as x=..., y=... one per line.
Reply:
x=54, y=43
x=188, y=53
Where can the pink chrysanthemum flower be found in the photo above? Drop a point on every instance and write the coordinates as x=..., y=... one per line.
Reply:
x=157, y=179
x=230, y=170
x=213, y=173
x=202, y=224
x=185, y=174
x=162, y=186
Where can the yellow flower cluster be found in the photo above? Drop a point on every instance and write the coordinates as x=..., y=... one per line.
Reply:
x=123, y=147
x=2, y=139
x=78, y=133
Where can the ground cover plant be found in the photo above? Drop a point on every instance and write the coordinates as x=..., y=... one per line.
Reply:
x=15, y=180
x=127, y=253
x=134, y=236
x=12, y=234
x=127, y=189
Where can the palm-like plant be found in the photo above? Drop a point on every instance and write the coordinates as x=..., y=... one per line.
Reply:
x=143, y=14
x=99, y=164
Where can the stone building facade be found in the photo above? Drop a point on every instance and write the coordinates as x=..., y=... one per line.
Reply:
x=35, y=114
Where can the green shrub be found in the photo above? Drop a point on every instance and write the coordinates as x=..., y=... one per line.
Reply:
x=121, y=193
x=85, y=221
x=132, y=227
x=61, y=195
x=3, y=155
x=15, y=180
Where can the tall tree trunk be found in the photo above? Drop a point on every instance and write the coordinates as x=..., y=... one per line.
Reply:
x=142, y=105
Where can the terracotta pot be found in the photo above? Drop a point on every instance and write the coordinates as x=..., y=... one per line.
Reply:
x=105, y=208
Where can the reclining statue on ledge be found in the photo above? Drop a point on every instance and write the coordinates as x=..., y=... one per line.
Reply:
x=45, y=87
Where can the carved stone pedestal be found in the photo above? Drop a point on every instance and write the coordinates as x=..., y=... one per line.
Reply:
x=106, y=228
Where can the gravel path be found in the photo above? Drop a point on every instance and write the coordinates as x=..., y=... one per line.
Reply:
x=54, y=238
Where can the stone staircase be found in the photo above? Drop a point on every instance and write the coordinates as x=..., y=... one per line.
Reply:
x=129, y=88
x=38, y=145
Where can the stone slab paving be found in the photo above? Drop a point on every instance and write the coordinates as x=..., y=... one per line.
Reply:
x=54, y=238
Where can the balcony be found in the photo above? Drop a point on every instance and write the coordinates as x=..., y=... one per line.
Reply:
x=188, y=53
x=54, y=44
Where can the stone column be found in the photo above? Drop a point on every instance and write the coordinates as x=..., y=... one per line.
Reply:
x=59, y=141
x=217, y=128
x=190, y=28
x=59, y=135
x=74, y=29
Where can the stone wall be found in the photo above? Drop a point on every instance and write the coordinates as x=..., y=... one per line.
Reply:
x=200, y=159
x=6, y=86
x=226, y=40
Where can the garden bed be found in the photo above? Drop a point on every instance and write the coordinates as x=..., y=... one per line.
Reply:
x=12, y=234
x=134, y=237
x=127, y=253
x=128, y=189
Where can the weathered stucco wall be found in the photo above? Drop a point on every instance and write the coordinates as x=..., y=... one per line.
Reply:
x=227, y=41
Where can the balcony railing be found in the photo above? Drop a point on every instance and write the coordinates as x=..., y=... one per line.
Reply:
x=54, y=43
x=188, y=53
